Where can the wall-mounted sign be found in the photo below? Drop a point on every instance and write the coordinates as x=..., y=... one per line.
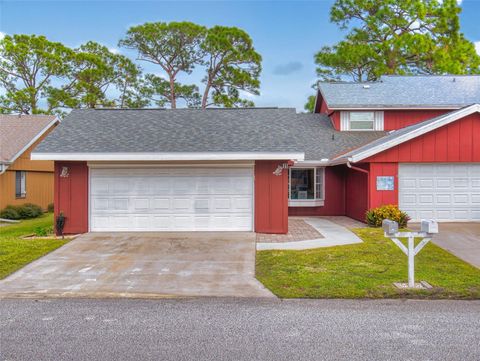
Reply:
x=385, y=183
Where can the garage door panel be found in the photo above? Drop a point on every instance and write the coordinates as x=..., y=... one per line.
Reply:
x=446, y=192
x=171, y=199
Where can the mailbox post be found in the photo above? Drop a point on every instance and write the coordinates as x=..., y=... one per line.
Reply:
x=429, y=227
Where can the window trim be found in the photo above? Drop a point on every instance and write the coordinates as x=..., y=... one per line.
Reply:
x=307, y=202
x=350, y=120
x=345, y=121
x=23, y=192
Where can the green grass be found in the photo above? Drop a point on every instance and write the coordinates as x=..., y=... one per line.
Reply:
x=365, y=270
x=16, y=252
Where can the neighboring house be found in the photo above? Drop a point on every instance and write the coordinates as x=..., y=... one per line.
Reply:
x=23, y=180
x=409, y=141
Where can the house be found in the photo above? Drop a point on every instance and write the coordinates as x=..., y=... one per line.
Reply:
x=21, y=179
x=402, y=140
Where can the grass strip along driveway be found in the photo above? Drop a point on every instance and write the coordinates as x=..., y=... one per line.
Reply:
x=16, y=252
x=365, y=270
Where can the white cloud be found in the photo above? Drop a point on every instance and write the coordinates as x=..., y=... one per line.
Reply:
x=247, y=94
x=477, y=47
x=114, y=50
x=2, y=35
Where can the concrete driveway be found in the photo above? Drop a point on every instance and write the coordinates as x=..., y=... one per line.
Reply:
x=461, y=239
x=143, y=265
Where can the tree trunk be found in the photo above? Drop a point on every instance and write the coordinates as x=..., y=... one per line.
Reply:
x=173, y=100
x=205, y=95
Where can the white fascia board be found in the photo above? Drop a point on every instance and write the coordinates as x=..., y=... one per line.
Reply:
x=312, y=163
x=338, y=161
x=176, y=156
x=33, y=140
x=396, y=108
x=447, y=119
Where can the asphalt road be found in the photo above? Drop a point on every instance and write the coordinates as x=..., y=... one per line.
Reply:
x=238, y=329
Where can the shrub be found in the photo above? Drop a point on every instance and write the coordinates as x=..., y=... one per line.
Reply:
x=29, y=210
x=50, y=208
x=43, y=231
x=375, y=216
x=25, y=211
x=10, y=212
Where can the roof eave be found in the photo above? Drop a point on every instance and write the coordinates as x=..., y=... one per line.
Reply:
x=403, y=107
x=34, y=139
x=170, y=156
x=444, y=120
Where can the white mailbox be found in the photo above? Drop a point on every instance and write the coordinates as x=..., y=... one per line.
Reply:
x=429, y=226
x=389, y=226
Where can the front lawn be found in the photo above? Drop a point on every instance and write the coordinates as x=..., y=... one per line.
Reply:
x=16, y=252
x=365, y=270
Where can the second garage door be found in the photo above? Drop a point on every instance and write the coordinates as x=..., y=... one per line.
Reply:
x=171, y=199
x=445, y=192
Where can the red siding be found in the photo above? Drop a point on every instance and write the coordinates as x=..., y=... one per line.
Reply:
x=71, y=196
x=378, y=198
x=335, y=118
x=334, y=196
x=271, y=198
x=356, y=193
x=396, y=119
x=452, y=143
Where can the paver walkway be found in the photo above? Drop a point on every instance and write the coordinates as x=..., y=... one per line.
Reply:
x=333, y=235
x=298, y=230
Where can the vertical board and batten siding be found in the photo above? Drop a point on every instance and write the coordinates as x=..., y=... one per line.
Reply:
x=39, y=189
x=334, y=203
x=71, y=196
x=356, y=193
x=452, y=143
x=397, y=119
x=271, y=198
x=455, y=142
x=378, y=198
x=38, y=181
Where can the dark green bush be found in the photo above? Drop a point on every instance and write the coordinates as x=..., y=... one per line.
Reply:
x=25, y=211
x=29, y=210
x=50, y=208
x=10, y=212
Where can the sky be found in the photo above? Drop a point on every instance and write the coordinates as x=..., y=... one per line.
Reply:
x=286, y=33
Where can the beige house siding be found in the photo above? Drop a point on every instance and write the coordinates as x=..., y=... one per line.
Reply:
x=38, y=182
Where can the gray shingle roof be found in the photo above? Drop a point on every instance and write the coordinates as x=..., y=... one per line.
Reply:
x=317, y=137
x=193, y=130
x=443, y=91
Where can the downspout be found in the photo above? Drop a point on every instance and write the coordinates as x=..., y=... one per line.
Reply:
x=367, y=172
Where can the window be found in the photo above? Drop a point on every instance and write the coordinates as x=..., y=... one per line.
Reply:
x=361, y=120
x=306, y=185
x=20, y=189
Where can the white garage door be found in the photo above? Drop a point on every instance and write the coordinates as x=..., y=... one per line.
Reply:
x=171, y=199
x=445, y=192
